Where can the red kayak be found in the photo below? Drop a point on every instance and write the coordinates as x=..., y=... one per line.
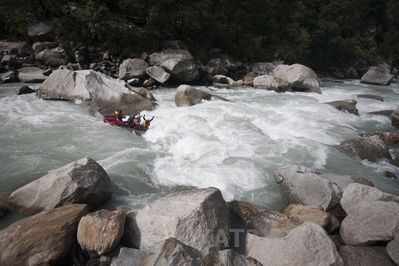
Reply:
x=139, y=129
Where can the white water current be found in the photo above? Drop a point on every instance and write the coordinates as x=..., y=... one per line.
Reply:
x=235, y=146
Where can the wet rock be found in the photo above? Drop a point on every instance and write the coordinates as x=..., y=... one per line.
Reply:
x=389, y=174
x=196, y=217
x=389, y=138
x=266, y=223
x=158, y=74
x=179, y=63
x=82, y=181
x=383, y=112
x=132, y=68
x=188, y=96
x=301, y=214
x=365, y=256
x=300, y=77
x=43, y=239
x=362, y=180
x=356, y=193
x=395, y=117
x=130, y=257
x=221, y=79
x=8, y=77
x=31, y=75
x=52, y=57
x=173, y=252
x=370, y=96
x=371, y=148
x=347, y=105
x=378, y=75
x=368, y=223
x=308, y=244
x=393, y=247
x=271, y=83
x=100, y=232
x=97, y=90
x=302, y=185
x=25, y=90
x=143, y=92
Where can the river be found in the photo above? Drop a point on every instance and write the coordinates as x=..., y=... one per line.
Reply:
x=235, y=146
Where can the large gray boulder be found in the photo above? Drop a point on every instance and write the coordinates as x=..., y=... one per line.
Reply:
x=158, y=74
x=197, y=217
x=368, y=223
x=356, y=193
x=82, y=181
x=269, y=82
x=379, y=75
x=52, y=56
x=393, y=247
x=371, y=148
x=302, y=185
x=100, y=232
x=364, y=256
x=39, y=29
x=97, y=90
x=31, y=75
x=130, y=257
x=132, y=68
x=179, y=63
x=308, y=244
x=346, y=105
x=300, y=77
x=43, y=239
x=395, y=117
x=188, y=96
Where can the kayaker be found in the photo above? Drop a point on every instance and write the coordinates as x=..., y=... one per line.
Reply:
x=119, y=115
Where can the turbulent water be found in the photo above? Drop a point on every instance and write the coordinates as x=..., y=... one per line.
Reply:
x=235, y=146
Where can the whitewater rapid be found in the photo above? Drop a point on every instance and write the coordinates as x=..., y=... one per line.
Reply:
x=234, y=146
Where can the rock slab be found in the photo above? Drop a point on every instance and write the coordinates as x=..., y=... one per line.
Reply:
x=378, y=75
x=188, y=96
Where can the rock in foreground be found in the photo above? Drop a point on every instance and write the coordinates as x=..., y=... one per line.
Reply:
x=97, y=90
x=195, y=217
x=347, y=105
x=308, y=244
x=378, y=75
x=82, y=181
x=188, y=96
x=43, y=239
x=300, y=77
x=99, y=232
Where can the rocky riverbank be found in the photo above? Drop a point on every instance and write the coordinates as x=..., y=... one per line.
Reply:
x=329, y=220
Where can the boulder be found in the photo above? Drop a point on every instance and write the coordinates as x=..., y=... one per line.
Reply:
x=302, y=185
x=364, y=256
x=195, y=217
x=368, y=223
x=378, y=75
x=249, y=79
x=308, y=244
x=262, y=68
x=301, y=214
x=40, y=46
x=43, y=239
x=389, y=138
x=142, y=92
x=271, y=83
x=395, y=117
x=25, y=90
x=347, y=106
x=173, y=252
x=370, y=148
x=229, y=257
x=370, y=96
x=8, y=77
x=266, y=223
x=31, y=75
x=52, y=56
x=179, y=63
x=393, y=247
x=101, y=92
x=188, y=96
x=82, y=181
x=39, y=29
x=15, y=48
x=9, y=60
x=158, y=74
x=132, y=68
x=221, y=79
x=356, y=193
x=100, y=232
x=383, y=112
x=300, y=77
x=216, y=66
x=131, y=237
x=130, y=257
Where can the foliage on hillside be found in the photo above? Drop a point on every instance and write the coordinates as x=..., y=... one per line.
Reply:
x=319, y=33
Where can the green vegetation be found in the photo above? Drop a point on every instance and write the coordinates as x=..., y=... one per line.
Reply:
x=320, y=33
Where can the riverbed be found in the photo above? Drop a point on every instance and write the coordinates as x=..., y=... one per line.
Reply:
x=234, y=146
